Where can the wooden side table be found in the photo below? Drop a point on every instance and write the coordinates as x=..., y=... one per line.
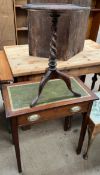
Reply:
x=25, y=67
x=51, y=105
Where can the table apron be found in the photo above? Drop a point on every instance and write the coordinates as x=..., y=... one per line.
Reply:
x=54, y=113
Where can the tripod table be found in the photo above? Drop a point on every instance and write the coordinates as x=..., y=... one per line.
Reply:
x=54, y=10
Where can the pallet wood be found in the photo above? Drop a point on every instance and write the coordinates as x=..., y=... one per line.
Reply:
x=5, y=72
x=23, y=65
x=71, y=31
x=7, y=29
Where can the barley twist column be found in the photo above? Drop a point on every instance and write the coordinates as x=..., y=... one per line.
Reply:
x=55, y=11
x=53, y=43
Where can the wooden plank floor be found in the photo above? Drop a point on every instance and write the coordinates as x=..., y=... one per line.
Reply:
x=22, y=64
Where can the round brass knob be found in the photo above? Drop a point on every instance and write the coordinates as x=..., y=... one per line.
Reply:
x=33, y=117
x=75, y=109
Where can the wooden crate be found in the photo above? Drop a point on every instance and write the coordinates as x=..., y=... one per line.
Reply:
x=71, y=31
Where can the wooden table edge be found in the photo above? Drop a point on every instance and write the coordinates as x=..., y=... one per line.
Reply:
x=10, y=113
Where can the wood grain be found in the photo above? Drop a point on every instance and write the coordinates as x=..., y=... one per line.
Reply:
x=22, y=64
x=50, y=114
x=71, y=31
x=5, y=71
x=7, y=29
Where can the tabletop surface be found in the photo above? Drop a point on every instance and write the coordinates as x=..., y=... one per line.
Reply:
x=22, y=64
x=18, y=96
x=21, y=95
x=54, y=6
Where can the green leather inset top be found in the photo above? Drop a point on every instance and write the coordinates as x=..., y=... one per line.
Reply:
x=55, y=90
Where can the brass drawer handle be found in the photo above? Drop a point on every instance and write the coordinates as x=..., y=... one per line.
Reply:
x=33, y=117
x=75, y=109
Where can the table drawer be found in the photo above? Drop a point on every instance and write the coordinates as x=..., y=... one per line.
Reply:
x=54, y=113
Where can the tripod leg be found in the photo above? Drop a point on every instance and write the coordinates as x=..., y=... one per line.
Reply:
x=67, y=81
x=41, y=86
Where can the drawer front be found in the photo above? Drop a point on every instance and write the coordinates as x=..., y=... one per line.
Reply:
x=54, y=113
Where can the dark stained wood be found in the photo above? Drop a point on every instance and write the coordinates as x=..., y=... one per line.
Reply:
x=94, y=79
x=25, y=128
x=10, y=113
x=57, y=75
x=96, y=22
x=92, y=129
x=67, y=123
x=46, y=112
x=50, y=114
x=95, y=26
x=82, y=133
x=54, y=11
x=71, y=31
x=83, y=78
x=84, y=128
x=16, y=142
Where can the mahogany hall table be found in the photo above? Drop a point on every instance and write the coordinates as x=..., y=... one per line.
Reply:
x=51, y=105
